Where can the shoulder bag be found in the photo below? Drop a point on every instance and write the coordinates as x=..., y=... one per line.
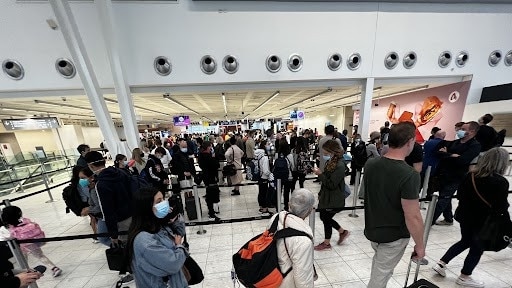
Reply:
x=230, y=169
x=497, y=228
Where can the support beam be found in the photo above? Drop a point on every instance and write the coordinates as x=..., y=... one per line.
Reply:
x=124, y=96
x=366, y=107
x=76, y=47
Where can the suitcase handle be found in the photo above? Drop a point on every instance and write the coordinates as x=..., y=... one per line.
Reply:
x=409, y=269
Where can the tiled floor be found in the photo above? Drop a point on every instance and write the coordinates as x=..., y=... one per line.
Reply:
x=348, y=265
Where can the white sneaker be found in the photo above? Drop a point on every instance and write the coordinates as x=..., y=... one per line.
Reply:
x=469, y=282
x=440, y=269
x=56, y=271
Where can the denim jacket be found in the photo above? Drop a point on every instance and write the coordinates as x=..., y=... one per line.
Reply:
x=156, y=256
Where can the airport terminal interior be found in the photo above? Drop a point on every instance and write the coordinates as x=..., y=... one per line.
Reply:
x=118, y=75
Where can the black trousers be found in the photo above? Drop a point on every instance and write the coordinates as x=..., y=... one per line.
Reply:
x=298, y=176
x=287, y=189
x=469, y=240
x=262, y=193
x=326, y=215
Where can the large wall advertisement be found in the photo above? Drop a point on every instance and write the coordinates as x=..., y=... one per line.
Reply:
x=441, y=106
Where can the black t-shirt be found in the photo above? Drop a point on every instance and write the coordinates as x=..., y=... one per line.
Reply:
x=416, y=155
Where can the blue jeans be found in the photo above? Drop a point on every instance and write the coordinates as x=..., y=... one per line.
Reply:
x=469, y=240
x=102, y=228
x=444, y=204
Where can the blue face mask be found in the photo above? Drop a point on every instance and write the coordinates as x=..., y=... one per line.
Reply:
x=83, y=182
x=326, y=157
x=461, y=134
x=162, y=209
x=184, y=150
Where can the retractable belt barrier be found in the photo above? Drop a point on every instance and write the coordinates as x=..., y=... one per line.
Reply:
x=37, y=175
x=34, y=193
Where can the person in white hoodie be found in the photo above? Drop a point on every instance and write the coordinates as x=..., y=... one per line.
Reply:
x=297, y=251
x=264, y=168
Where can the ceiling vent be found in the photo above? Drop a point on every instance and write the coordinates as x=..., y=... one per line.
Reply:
x=13, y=69
x=508, y=58
x=334, y=61
x=354, y=61
x=462, y=59
x=273, y=63
x=391, y=60
x=65, y=67
x=208, y=65
x=295, y=62
x=410, y=60
x=495, y=58
x=230, y=64
x=162, y=66
x=445, y=59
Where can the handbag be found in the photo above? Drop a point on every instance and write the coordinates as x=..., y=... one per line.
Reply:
x=117, y=258
x=229, y=170
x=192, y=271
x=496, y=231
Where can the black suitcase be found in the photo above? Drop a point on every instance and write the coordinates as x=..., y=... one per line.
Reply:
x=422, y=283
x=190, y=205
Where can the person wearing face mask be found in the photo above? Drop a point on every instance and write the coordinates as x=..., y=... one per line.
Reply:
x=138, y=158
x=155, y=171
x=180, y=164
x=457, y=128
x=155, y=250
x=166, y=158
x=331, y=198
x=455, y=159
x=93, y=210
x=121, y=162
x=209, y=166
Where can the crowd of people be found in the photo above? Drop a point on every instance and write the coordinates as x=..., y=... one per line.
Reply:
x=472, y=165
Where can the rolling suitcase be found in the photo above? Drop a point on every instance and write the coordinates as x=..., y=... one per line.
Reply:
x=190, y=205
x=422, y=283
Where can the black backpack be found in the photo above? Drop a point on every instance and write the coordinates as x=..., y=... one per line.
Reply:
x=253, y=170
x=136, y=182
x=359, y=155
x=303, y=163
x=281, y=168
x=74, y=203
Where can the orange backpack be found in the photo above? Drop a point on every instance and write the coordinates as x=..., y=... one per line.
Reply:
x=256, y=263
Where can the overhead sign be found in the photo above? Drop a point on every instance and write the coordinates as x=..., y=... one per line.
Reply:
x=31, y=123
x=181, y=121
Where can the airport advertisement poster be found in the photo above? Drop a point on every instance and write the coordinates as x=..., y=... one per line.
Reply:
x=441, y=107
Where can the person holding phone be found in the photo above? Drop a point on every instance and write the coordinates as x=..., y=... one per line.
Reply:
x=155, y=238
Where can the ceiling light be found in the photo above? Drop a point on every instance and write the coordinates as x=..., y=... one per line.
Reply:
x=166, y=96
x=138, y=107
x=266, y=101
x=224, y=102
x=329, y=89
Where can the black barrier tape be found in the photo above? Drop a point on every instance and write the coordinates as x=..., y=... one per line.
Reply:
x=35, y=193
x=235, y=185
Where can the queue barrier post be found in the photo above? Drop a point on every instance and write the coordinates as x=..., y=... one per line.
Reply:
x=16, y=176
x=312, y=218
x=198, y=207
x=355, y=195
x=18, y=255
x=430, y=216
x=278, y=189
x=45, y=180
x=424, y=190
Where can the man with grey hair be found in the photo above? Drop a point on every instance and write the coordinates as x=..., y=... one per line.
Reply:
x=297, y=251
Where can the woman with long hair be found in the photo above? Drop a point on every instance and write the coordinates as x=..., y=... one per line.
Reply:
x=485, y=181
x=138, y=158
x=302, y=164
x=331, y=198
x=121, y=162
x=155, y=236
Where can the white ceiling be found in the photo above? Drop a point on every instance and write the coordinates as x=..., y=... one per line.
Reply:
x=154, y=108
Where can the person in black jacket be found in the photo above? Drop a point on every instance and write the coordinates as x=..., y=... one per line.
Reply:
x=487, y=136
x=456, y=156
x=82, y=149
x=472, y=211
x=209, y=165
x=155, y=170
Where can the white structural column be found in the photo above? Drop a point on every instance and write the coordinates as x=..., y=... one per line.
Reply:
x=124, y=96
x=366, y=107
x=83, y=65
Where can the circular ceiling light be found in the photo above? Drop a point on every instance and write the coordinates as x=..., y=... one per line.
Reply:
x=391, y=60
x=462, y=59
x=162, y=66
x=208, y=65
x=508, y=58
x=354, y=61
x=410, y=60
x=230, y=64
x=495, y=58
x=65, y=67
x=273, y=63
x=13, y=69
x=294, y=62
x=445, y=59
x=334, y=61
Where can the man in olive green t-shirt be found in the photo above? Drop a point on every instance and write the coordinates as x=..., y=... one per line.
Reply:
x=392, y=212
